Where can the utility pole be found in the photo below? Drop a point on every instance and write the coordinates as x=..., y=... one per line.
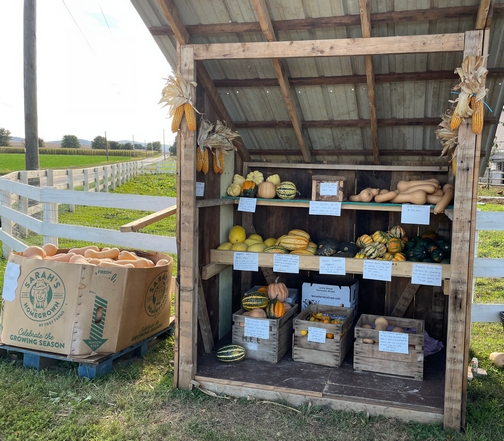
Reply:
x=164, y=148
x=30, y=85
x=106, y=145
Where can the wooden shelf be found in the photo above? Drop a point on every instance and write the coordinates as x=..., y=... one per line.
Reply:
x=220, y=259
x=305, y=203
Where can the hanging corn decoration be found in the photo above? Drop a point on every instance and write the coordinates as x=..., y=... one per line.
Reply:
x=177, y=94
x=206, y=162
x=199, y=159
x=218, y=161
x=477, y=116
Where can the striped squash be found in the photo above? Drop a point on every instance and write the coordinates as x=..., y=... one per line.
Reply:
x=380, y=236
x=298, y=232
x=276, y=249
x=255, y=299
x=371, y=251
x=363, y=240
x=395, y=245
x=231, y=353
x=401, y=257
x=293, y=242
x=397, y=231
x=275, y=309
x=286, y=190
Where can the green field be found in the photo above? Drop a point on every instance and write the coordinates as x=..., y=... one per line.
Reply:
x=10, y=162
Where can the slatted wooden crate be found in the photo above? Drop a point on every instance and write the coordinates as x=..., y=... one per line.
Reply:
x=334, y=350
x=270, y=349
x=328, y=188
x=368, y=357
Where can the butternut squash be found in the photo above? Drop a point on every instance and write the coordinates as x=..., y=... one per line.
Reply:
x=449, y=192
x=61, y=257
x=138, y=263
x=386, y=196
x=34, y=251
x=81, y=250
x=127, y=255
x=427, y=187
x=111, y=252
x=433, y=199
x=418, y=197
x=78, y=259
x=162, y=262
x=364, y=196
x=50, y=249
x=405, y=185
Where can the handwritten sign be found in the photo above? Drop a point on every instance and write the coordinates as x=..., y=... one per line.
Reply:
x=256, y=328
x=393, y=342
x=247, y=204
x=200, y=189
x=415, y=214
x=377, y=270
x=11, y=275
x=325, y=208
x=332, y=265
x=316, y=335
x=328, y=188
x=246, y=261
x=423, y=274
x=285, y=263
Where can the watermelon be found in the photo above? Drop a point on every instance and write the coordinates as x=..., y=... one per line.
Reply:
x=255, y=299
x=286, y=190
x=231, y=353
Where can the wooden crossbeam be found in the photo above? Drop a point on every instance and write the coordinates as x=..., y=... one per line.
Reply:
x=405, y=300
x=149, y=219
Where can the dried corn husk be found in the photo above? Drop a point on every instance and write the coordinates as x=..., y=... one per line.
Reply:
x=447, y=136
x=176, y=93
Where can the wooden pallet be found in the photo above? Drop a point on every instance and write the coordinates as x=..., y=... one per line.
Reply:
x=90, y=367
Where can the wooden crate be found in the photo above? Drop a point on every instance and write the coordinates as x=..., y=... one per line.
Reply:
x=334, y=350
x=336, y=196
x=270, y=349
x=368, y=357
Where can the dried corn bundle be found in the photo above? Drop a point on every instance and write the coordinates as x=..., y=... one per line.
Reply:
x=447, y=136
x=472, y=74
x=206, y=162
x=218, y=161
x=177, y=94
x=199, y=159
x=477, y=116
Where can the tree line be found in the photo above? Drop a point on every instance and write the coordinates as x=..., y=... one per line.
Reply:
x=99, y=142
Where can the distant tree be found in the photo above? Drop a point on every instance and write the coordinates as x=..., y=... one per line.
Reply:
x=114, y=145
x=139, y=146
x=70, y=142
x=173, y=149
x=5, y=137
x=99, y=142
x=156, y=145
x=41, y=143
x=127, y=146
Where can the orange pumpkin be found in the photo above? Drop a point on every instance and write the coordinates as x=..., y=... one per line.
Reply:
x=278, y=291
x=266, y=190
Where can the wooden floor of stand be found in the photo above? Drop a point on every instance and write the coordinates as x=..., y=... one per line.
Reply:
x=342, y=382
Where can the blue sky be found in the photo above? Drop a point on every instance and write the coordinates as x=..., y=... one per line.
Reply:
x=98, y=70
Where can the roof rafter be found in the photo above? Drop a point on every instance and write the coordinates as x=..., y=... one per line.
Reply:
x=180, y=31
x=481, y=18
x=283, y=78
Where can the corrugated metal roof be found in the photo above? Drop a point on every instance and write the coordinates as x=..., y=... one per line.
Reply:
x=415, y=99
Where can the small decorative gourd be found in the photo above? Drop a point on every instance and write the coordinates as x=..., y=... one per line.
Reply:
x=275, y=309
x=266, y=190
x=277, y=290
x=249, y=189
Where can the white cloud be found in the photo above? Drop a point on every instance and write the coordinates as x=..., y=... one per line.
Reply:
x=98, y=69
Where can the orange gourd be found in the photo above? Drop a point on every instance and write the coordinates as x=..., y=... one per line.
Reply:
x=275, y=309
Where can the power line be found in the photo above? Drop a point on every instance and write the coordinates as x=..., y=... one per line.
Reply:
x=78, y=27
x=105, y=18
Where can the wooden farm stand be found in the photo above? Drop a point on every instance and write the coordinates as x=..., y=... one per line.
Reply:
x=209, y=289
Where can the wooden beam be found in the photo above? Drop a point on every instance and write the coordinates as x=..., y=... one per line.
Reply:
x=461, y=265
x=204, y=320
x=172, y=16
x=405, y=300
x=338, y=152
x=351, y=79
x=368, y=60
x=481, y=18
x=282, y=77
x=188, y=231
x=406, y=44
x=149, y=219
x=417, y=15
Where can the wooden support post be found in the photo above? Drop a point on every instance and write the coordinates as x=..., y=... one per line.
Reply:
x=204, y=320
x=457, y=355
x=188, y=234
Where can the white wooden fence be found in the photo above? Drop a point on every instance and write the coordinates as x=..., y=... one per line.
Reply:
x=20, y=202
x=484, y=267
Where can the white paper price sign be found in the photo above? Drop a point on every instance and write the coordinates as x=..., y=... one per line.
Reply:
x=377, y=270
x=325, y=208
x=415, y=214
x=247, y=204
x=256, y=328
x=200, y=189
x=285, y=263
x=393, y=342
x=246, y=261
x=423, y=274
x=328, y=188
x=316, y=335
x=332, y=265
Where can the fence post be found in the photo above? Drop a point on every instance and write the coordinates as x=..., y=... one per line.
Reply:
x=97, y=179
x=23, y=202
x=105, y=178
x=50, y=214
x=6, y=201
x=113, y=172
x=86, y=179
x=70, y=174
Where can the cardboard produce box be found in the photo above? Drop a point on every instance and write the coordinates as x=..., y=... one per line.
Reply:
x=340, y=292
x=78, y=310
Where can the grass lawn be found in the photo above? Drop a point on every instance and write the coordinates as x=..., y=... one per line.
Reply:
x=137, y=402
x=10, y=162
